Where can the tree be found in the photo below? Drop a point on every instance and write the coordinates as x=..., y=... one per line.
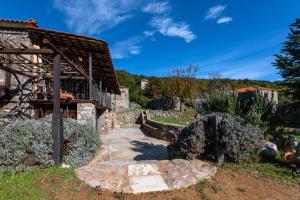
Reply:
x=183, y=82
x=288, y=61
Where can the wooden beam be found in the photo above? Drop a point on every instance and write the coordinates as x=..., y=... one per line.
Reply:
x=57, y=121
x=25, y=51
x=11, y=70
x=90, y=76
x=76, y=67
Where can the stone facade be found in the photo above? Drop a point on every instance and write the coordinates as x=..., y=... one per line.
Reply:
x=106, y=121
x=270, y=94
x=122, y=101
x=20, y=87
x=86, y=114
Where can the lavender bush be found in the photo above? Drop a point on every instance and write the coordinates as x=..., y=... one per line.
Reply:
x=28, y=144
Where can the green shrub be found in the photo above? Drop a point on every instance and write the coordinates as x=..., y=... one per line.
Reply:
x=241, y=141
x=219, y=101
x=256, y=109
x=191, y=140
x=28, y=144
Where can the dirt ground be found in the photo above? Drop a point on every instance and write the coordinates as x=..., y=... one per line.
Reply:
x=225, y=185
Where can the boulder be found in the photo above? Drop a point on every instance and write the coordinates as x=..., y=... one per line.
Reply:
x=269, y=150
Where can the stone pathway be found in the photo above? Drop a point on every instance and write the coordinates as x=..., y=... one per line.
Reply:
x=134, y=144
x=137, y=163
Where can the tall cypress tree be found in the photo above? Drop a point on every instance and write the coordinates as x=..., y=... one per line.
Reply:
x=288, y=61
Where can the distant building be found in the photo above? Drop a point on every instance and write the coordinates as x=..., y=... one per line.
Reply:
x=144, y=83
x=269, y=93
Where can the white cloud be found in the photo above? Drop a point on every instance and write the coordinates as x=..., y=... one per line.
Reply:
x=225, y=19
x=166, y=26
x=149, y=33
x=124, y=49
x=157, y=8
x=95, y=16
x=215, y=11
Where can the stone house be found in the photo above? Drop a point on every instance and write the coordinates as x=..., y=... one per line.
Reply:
x=88, y=83
x=270, y=94
x=144, y=83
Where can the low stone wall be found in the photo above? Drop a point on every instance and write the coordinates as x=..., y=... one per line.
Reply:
x=108, y=120
x=128, y=118
x=162, y=131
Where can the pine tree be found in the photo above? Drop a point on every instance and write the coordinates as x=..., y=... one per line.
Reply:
x=288, y=61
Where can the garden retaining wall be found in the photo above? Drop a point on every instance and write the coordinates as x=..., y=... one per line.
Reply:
x=162, y=131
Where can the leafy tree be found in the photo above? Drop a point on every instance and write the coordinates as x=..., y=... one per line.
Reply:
x=288, y=61
x=183, y=83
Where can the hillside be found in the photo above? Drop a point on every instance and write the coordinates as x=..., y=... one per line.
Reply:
x=159, y=85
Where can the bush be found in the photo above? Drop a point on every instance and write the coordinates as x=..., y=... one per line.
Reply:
x=28, y=144
x=241, y=141
x=256, y=109
x=219, y=101
x=191, y=141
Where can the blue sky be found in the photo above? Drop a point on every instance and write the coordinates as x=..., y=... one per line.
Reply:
x=236, y=38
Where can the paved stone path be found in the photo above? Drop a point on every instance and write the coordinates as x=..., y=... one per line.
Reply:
x=137, y=163
x=134, y=144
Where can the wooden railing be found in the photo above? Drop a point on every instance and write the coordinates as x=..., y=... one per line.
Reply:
x=102, y=98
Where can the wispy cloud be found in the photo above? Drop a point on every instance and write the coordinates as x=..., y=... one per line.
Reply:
x=126, y=48
x=95, y=16
x=225, y=19
x=166, y=26
x=214, y=12
x=149, y=33
x=157, y=8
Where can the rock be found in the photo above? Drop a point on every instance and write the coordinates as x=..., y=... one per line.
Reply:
x=144, y=176
x=269, y=150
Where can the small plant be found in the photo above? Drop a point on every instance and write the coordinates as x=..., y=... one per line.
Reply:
x=201, y=187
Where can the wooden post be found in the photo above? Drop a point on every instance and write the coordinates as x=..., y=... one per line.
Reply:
x=90, y=76
x=100, y=85
x=218, y=147
x=57, y=122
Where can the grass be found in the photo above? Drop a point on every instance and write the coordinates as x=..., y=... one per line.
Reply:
x=277, y=170
x=27, y=185
x=171, y=120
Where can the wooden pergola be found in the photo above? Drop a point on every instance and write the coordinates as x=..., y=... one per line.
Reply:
x=58, y=55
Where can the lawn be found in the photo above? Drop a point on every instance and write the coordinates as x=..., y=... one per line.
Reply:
x=171, y=120
x=277, y=170
x=32, y=185
x=231, y=182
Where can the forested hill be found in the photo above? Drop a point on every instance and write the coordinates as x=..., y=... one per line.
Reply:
x=160, y=86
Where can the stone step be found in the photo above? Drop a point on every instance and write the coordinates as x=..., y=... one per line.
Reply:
x=130, y=176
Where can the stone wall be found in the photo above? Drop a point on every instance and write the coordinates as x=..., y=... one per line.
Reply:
x=162, y=131
x=122, y=100
x=86, y=114
x=20, y=87
x=128, y=118
x=106, y=121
